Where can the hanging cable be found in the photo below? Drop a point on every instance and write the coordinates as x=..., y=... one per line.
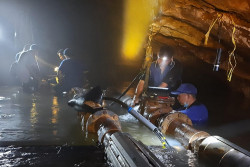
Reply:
x=219, y=16
x=219, y=50
x=231, y=59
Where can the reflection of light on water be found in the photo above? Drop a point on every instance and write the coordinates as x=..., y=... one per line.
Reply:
x=164, y=155
x=128, y=117
x=140, y=132
x=33, y=114
x=6, y=115
x=181, y=157
x=55, y=110
x=4, y=98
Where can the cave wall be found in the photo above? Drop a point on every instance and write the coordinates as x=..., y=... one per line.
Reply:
x=184, y=23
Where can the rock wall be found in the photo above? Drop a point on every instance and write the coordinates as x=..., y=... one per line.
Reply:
x=184, y=23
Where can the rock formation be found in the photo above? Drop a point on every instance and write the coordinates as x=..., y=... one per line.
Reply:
x=184, y=23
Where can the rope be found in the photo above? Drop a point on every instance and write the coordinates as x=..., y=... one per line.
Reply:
x=149, y=56
x=219, y=16
x=231, y=59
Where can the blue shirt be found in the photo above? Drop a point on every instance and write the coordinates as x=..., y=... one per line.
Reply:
x=73, y=72
x=197, y=112
x=171, y=75
x=156, y=76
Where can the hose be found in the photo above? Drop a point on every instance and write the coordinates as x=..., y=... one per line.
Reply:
x=142, y=119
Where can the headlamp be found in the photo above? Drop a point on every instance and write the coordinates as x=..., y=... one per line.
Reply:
x=164, y=58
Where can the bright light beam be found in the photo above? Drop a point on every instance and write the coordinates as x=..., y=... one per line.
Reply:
x=137, y=18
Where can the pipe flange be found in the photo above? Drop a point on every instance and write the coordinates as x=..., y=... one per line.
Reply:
x=157, y=114
x=98, y=118
x=198, y=136
x=174, y=116
x=109, y=127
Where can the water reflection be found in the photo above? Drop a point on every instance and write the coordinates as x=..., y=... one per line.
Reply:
x=36, y=118
x=44, y=119
x=33, y=114
x=62, y=156
x=55, y=110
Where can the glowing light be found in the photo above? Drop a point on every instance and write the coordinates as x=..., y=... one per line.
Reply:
x=15, y=34
x=56, y=69
x=164, y=58
x=138, y=16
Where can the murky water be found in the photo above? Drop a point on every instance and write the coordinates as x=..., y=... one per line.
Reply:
x=38, y=118
x=51, y=156
x=41, y=129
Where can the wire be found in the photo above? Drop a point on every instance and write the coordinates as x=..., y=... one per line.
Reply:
x=231, y=59
x=219, y=16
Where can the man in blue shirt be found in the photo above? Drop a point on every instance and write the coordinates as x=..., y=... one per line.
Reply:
x=196, y=111
x=165, y=72
x=70, y=73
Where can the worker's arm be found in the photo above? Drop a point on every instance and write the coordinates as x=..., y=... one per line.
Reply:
x=138, y=92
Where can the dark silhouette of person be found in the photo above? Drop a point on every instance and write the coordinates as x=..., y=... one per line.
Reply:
x=70, y=73
x=28, y=71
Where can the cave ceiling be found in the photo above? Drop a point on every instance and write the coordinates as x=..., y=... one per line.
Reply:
x=184, y=23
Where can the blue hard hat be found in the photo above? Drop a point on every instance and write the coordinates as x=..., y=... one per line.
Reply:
x=185, y=88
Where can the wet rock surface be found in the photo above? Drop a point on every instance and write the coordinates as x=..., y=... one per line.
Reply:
x=183, y=24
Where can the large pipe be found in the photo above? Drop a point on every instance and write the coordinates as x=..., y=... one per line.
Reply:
x=121, y=148
x=215, y=151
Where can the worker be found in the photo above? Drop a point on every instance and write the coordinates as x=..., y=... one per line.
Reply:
x=28, y=70
x=196, y=111
x=70, y=73
x=165, y=72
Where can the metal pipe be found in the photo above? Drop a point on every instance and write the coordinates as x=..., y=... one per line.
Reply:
x=121, y=149
x=143, y=120
x=214, y=150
